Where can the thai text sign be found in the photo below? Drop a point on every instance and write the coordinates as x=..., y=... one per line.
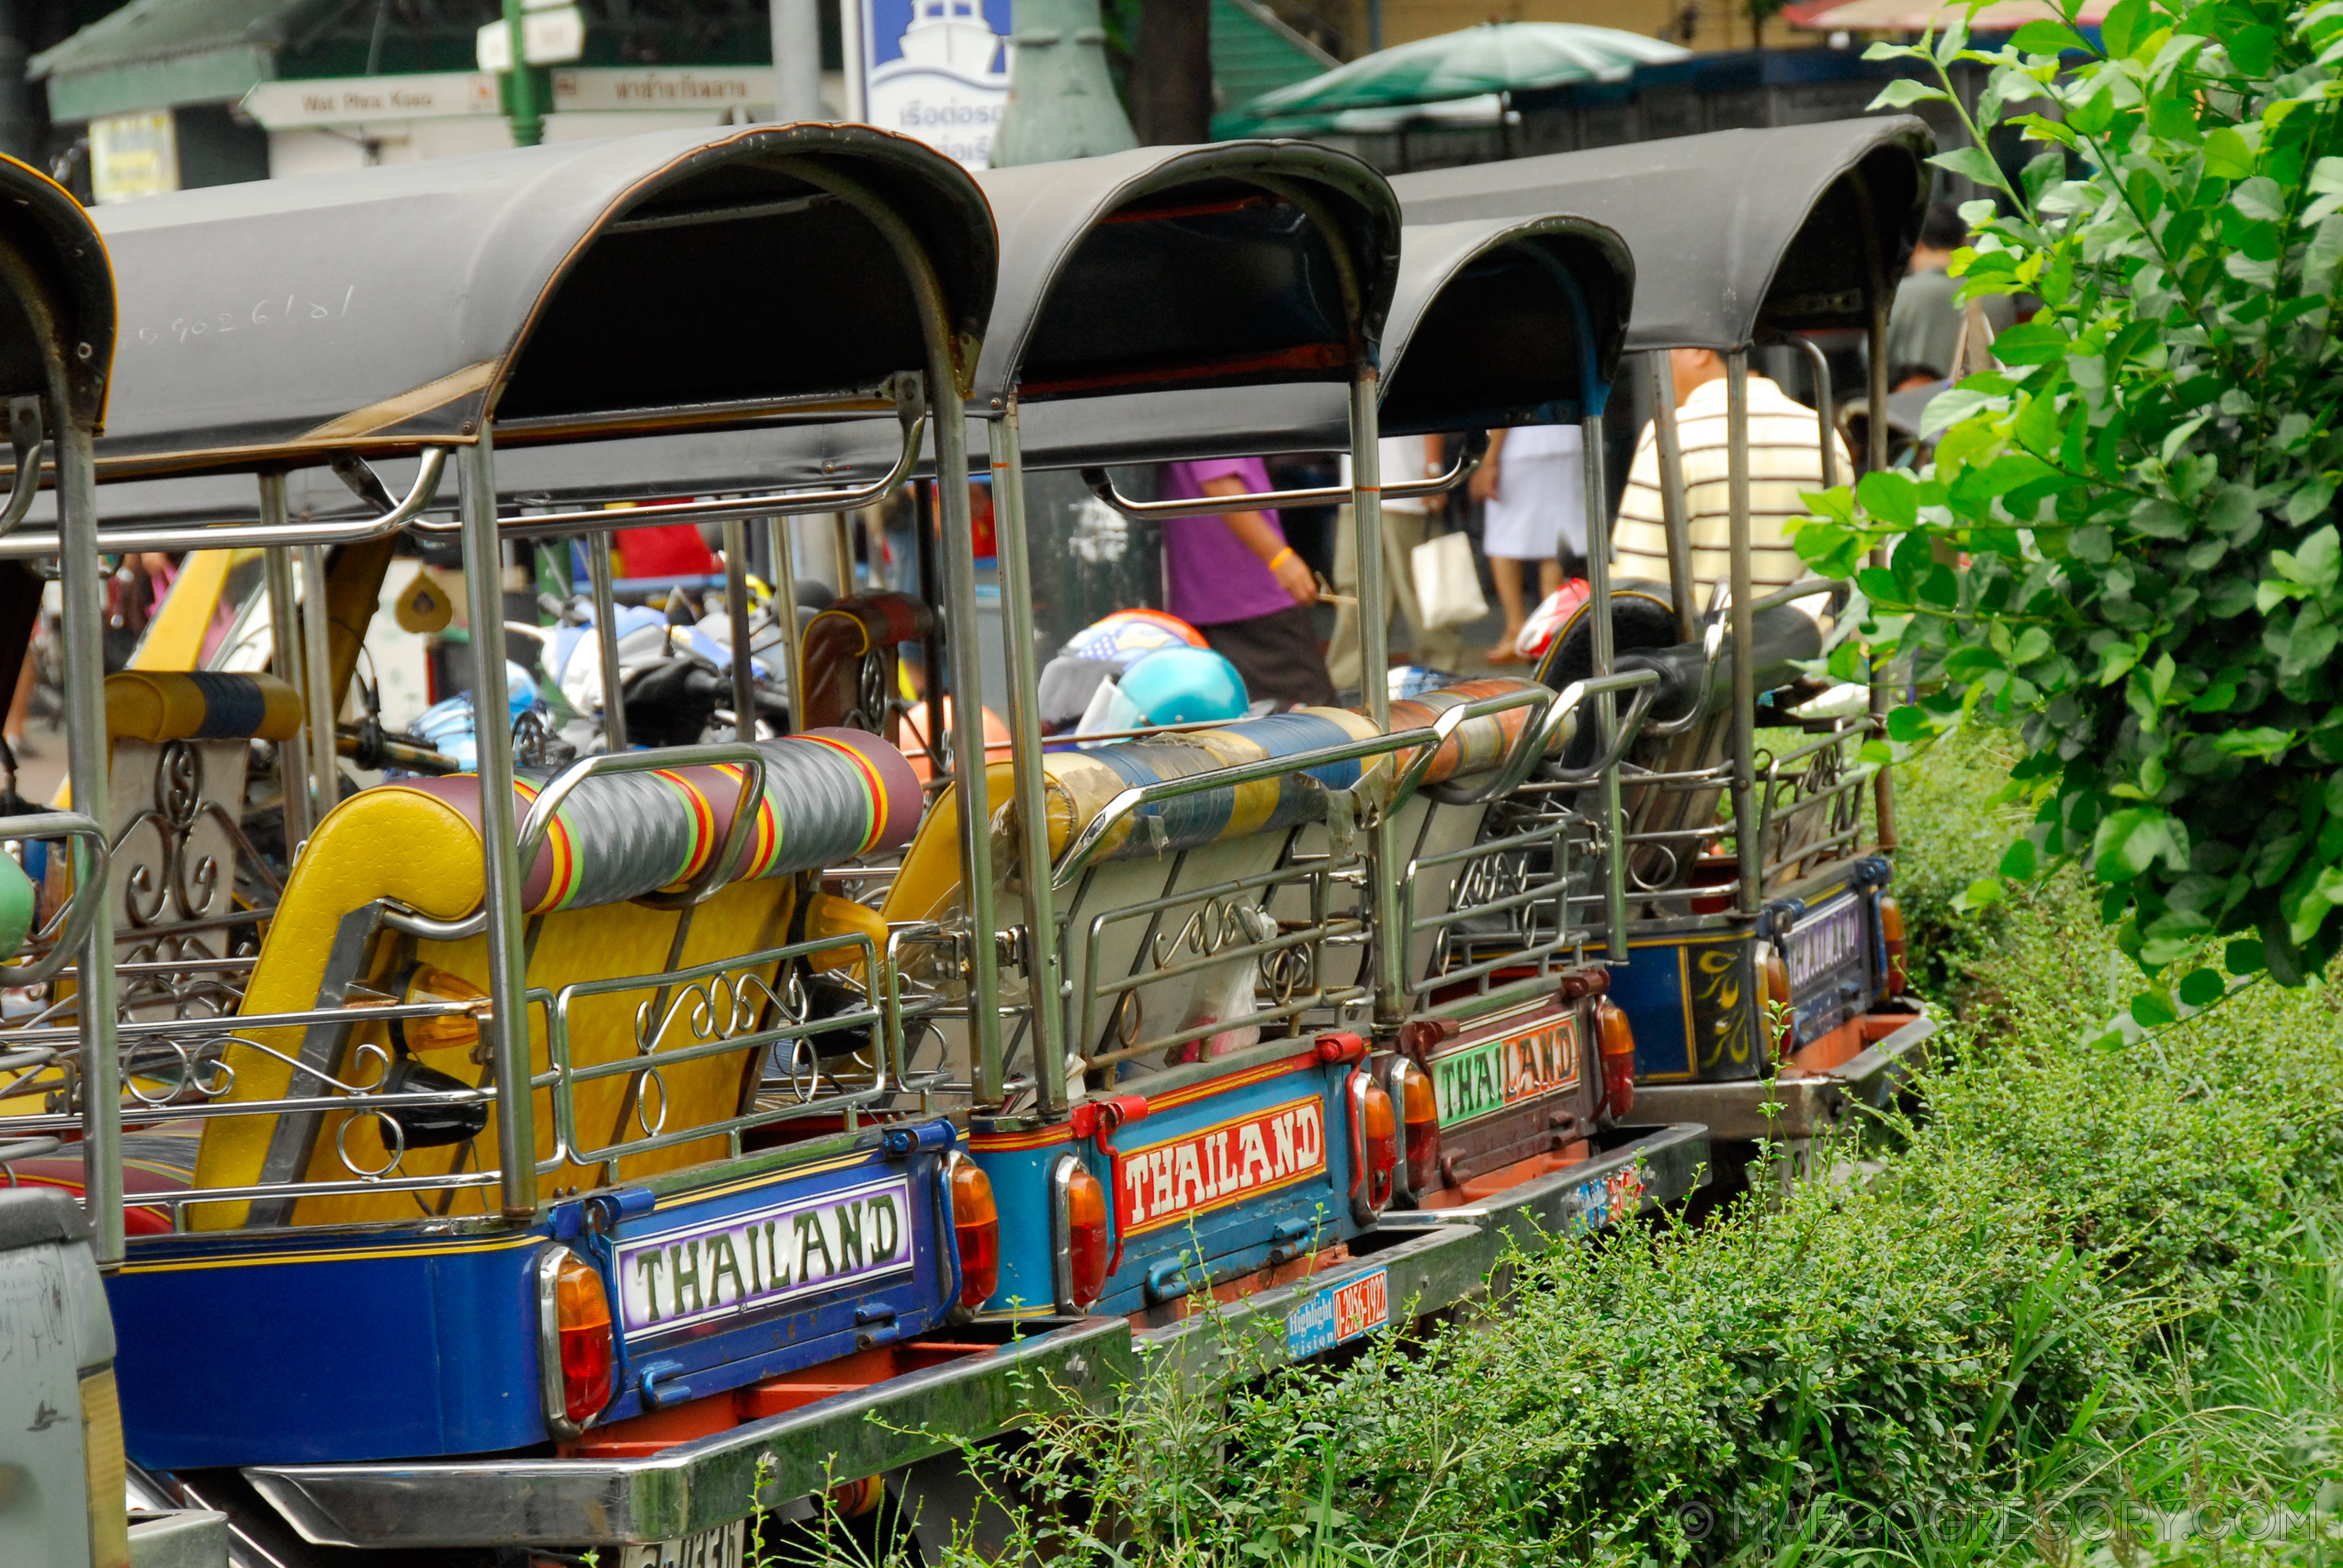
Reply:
x=1218, y=1166
x=764, y=1256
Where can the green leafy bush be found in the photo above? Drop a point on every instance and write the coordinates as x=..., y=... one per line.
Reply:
x=2126, y=549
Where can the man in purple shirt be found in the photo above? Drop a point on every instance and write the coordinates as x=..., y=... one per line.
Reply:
x=1236, y=579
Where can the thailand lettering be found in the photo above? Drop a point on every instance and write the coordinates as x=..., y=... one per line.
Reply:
x=763, y=1258
x=1824, y=941
x=1204, y=1170
x=1489, y=1075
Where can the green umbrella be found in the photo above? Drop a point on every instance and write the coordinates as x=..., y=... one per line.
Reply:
x=1497, y=57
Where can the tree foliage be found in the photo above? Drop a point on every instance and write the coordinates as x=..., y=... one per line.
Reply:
x=2126, y=548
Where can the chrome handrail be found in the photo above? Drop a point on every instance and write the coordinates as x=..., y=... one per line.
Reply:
x=1103, y=487
x=91, y=879
x=777, y=503
x=235, y=535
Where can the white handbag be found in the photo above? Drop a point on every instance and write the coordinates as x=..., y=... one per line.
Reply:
x=1447, y=584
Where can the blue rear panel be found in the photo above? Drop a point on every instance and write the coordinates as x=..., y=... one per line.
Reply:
x=1228, y=1174
x=332, y=1346
x=1693, y=1002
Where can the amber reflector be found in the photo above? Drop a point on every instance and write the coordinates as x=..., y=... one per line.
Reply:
x=583, y=1313
x=975, y=1225
x=1086, y=1239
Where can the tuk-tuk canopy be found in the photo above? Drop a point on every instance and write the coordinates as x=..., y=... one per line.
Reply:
x=1494, y=322
x=45, y=227
x=1481, y=330
x=1221, y=266
x=1731, y=230
x=1187, y=266
x=688, y=278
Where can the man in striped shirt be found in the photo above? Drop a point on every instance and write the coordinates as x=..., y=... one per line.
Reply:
x=1786, y=459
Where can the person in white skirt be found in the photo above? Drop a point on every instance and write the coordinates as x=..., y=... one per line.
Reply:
x=1533, y=487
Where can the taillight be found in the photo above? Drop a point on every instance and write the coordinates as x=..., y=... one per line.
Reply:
x=1380, y=1129
x=1617, y=1039
x=574, y=1339
x=976, y=1227
x=1419, y=1124
x=1773, y=988
x=1891, y=930
x=1077, y=1199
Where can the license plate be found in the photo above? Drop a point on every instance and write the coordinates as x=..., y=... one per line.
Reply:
x=1334, y=1314
x=722, y=1547
x=1824, y=941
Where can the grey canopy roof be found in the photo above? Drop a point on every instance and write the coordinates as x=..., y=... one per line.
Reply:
x=1482, y=330
x=1731, y=231
x=64, y=265
x=1227, y=265
x=1199, y=268
x=684, y=277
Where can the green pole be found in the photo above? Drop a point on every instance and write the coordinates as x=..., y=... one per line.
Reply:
x=520, y=86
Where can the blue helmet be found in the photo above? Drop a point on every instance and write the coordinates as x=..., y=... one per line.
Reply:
x=1184, y=685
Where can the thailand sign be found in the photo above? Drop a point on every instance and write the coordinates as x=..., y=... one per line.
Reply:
x=1507, y=1069
x=764, y=1257
x=938, y=71
x=1218, y=1166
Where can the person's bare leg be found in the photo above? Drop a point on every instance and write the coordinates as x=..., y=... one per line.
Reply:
x=1507, y=573
x=1549, y=579
x=20, y=706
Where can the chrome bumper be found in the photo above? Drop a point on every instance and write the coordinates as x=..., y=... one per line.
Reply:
x=1657, y=1169
x=1784, y=1106
x=700, y=1485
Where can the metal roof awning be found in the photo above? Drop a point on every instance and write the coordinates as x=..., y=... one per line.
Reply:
x=154, y=53
x=1730, y=229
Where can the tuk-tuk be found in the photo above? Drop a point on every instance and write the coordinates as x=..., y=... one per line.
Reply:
x=1765, y=972
x=502, y=1168
x=70, y=1500
x=1492, y=1027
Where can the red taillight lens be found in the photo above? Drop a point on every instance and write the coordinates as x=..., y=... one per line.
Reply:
x=1617, y=1040
x=975, y=1225
x=1087, y=1244
x=1419, y=1118
x=1382, y=1135
x=1891, y=930
x=582, y=1319
x=1773, y=988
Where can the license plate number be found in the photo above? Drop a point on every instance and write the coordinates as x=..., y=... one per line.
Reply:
x=1334, y=1314
x=722, y=1547
x=1828, y=940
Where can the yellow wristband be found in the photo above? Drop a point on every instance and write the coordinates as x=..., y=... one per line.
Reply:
x=1279, y=557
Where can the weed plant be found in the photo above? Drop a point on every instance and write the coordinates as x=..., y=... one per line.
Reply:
x=2089, y=1310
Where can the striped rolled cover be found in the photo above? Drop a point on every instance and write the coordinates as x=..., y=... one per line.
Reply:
x=159, y=705
x=1082, y=782
x=1478, y=744
x=829, y=795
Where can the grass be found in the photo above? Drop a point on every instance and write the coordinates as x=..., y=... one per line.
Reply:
x=2087, y=1309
